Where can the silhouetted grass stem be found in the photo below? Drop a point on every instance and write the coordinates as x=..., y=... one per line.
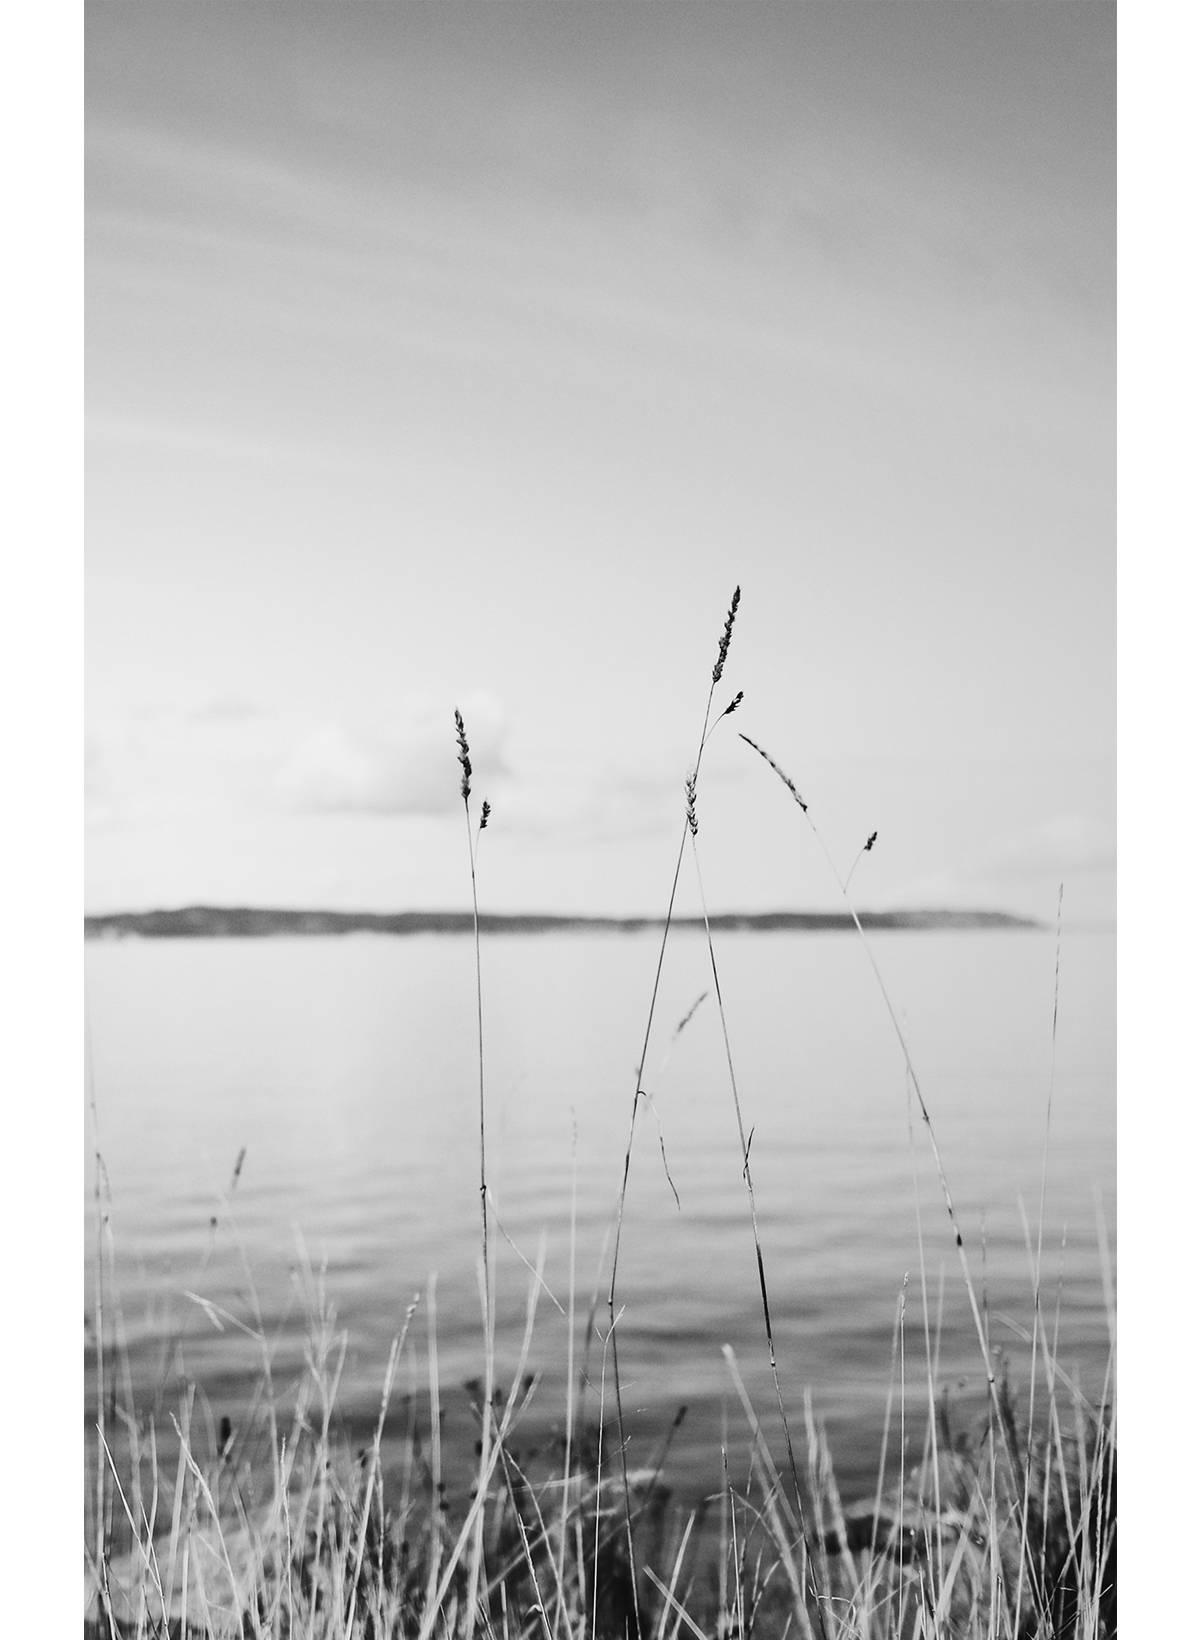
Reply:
x=960, y=1246
x=718, y=669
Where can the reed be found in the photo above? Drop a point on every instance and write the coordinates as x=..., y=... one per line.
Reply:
x=1037, y=1264
x=959, y=1243
x=999, y=1413
x=744, y=1143
x=473, y=836
x=339, y=1550
x=313, y=1541
x=489, y=1319
x=638, y=1090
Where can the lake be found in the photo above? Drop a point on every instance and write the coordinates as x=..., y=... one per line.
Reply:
x=346, y=1069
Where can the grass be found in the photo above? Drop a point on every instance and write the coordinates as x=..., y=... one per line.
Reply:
x=1003, y=1529
x=314, y=1539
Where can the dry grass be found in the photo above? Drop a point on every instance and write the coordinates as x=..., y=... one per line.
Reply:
x=226, y=1537
x=1004, y=1530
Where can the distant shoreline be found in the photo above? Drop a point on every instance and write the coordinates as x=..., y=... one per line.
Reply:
x=244, y=922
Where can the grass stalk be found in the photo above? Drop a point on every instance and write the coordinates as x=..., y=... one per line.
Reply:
x=705, y=731
x=101, y=1546
x=744, y=1145
x=1037, y=1268
x=560, y=1611
x=434, y=1606
x=773, y=1488
x=511, y=1558
x=474, y=835
x=373, y=1464
x=930, y=1368
x=960, y=1245
x=435, y=1444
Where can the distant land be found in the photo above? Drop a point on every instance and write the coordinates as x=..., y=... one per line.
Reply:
x=244, y=922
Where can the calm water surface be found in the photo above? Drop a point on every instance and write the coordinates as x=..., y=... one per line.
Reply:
x=346, y=1068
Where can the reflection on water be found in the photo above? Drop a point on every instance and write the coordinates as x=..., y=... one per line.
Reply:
x=346, y=1069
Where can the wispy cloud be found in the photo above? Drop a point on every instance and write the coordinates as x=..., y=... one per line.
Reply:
x=231, y=755
x=227, y=709
x=405, y=763
x=620, y=264
x=588, y=802
x=226, y=443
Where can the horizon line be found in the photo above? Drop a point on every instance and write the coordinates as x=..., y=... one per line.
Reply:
x=242, y=921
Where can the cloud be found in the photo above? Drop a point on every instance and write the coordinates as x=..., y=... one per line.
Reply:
x=230, y=755
x=405, y=763
x=586, y=802
x=227, y=709
x=226, y=443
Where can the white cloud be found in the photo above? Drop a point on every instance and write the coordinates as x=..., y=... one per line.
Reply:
x=404, y=763
x=227, y=709
x=230, y=755
x=585, y=802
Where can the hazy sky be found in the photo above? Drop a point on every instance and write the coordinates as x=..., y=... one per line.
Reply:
x=471, y=355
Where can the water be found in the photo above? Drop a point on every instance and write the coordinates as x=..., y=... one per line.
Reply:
x=346, y=1068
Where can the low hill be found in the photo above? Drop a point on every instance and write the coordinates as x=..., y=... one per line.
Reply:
x=246, y=922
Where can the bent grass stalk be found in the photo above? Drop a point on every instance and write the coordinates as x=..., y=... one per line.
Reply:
x=930, y=1372
x=1012, y=1452
x=959, y=1243
x=649, y=1097
x=453, y=1591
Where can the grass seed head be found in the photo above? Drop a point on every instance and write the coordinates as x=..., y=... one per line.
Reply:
x=690, y=788
x=485, y=814
x=464, y=755
x=870, y=842
x=723, y=651
x=767, y=758
x=733, y=704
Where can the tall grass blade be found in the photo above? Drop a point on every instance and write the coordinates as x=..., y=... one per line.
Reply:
x=718, y=670
x=960, y=1245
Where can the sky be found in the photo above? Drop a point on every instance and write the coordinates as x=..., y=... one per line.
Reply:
x=470, y=357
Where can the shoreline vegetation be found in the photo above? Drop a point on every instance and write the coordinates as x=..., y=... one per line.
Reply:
x=250, y=922
x=283, y=1530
